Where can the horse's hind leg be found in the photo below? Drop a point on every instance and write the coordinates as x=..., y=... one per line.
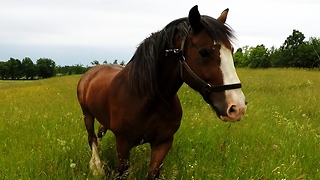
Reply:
x=95, y=162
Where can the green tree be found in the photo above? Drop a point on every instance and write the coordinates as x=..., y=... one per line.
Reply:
x=122, y=63
x=4, y=70
x=95, y=63
x=63, y=70
x=115, y=62
x=69, y=70
x=14, y=68
x=290, y=49
x=275, y=57
x=239, y=58
x=77, y=69
x=309, y=52
x=28, y=68
x=45, y=68
x=258, y=57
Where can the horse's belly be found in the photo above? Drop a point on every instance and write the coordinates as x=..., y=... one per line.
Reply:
x=145, y=127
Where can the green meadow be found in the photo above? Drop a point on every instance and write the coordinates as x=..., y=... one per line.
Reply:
x=43, y=136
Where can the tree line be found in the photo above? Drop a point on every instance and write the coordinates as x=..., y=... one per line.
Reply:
x=15, y=69
x=294, y=52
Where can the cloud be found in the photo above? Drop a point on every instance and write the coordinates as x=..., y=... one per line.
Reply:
x=123, y=24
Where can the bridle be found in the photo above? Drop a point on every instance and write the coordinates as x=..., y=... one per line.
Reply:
x=208, y=89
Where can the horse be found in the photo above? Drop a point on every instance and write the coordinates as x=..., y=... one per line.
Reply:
x=139, y=102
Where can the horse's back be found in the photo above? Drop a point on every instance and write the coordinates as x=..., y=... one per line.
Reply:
x=93, y=85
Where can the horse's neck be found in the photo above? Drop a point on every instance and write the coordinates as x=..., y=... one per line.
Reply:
x=169, y=77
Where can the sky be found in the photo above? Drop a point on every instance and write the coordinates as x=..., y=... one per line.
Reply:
x=74, y=32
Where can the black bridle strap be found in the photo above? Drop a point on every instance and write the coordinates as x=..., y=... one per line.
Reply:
x=185, y=66
x=225, y=87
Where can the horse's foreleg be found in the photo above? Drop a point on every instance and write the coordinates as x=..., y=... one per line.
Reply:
x=101, y=132
x=95, y=163
x=123, y=149
x=158, y=153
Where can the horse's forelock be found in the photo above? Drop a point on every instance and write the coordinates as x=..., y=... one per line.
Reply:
x=218, y=31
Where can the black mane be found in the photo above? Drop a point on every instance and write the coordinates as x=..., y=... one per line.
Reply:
x=143, y=74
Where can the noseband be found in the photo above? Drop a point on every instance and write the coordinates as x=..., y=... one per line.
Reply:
x=208, y=89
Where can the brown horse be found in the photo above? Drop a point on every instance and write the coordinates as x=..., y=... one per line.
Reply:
x=139, y=102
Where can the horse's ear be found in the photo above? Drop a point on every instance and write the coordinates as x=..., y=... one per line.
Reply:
x=223, y=17
x=195, y=18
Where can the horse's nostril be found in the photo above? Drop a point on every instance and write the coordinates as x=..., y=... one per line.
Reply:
x=232, y=109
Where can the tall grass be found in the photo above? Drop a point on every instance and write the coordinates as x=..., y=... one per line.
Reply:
x=42, y=133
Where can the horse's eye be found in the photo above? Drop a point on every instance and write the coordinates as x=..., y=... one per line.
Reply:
x=204, y=53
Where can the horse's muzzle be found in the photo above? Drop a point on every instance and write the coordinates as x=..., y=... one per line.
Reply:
x=235, y=112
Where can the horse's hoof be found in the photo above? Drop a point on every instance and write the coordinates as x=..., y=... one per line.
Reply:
x=121, y=176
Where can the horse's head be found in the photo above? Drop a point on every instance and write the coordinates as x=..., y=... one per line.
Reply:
x=207, y=65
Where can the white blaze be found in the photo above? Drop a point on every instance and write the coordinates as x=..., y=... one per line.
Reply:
x=227, y=67
x=234, y=97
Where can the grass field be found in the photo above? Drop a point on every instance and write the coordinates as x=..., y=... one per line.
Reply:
x=42, y=133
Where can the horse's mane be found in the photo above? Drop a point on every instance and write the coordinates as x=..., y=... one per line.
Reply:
x=143, y=70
